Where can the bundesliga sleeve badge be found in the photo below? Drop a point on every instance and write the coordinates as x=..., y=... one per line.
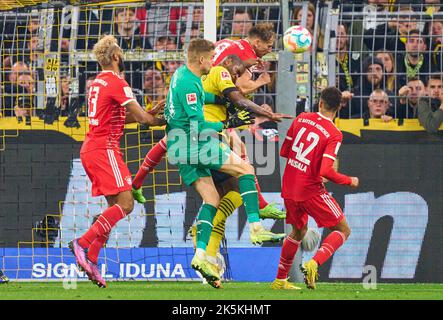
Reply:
x=225, y=75
x=191, y=98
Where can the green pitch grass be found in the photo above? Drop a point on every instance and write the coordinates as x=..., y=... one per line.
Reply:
x=231, y=291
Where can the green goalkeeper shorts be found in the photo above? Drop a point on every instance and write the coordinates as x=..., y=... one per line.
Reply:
x=210, y=155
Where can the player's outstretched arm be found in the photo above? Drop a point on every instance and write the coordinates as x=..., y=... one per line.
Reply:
x=245, y=104
x=327, y=171
x=135, y=113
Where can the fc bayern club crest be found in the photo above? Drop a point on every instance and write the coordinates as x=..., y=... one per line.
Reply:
x=128, y=180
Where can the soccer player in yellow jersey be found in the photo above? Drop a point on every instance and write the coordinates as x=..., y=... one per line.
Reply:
x=221, y=82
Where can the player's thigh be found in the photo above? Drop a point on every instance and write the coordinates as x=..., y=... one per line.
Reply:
x=235, y=143
x=236, y=166
x=325, y=210
x=296, y=216
x=224, y=182
x=190, y=174
x=206, y=189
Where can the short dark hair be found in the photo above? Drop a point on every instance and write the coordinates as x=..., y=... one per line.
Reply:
x=235, y=59
x=263, y=31
x=331, y=98
x=118, y=10
x=243, y=11
x=436, y=76
x=414, y=32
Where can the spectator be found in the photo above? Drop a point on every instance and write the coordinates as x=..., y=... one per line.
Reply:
x=154, y=88
x=372, y=78
x=348, y=67
x=310, y=18
x=414, y=62
x=127, y=31
x=169, y=67
x=22, y=109
x=391, y=35
x=12, y=87
x=165, y=43
x=241, y=24
x=430, y=109
x=195, y=33
x=378, y=105
x=128, y=37
x=434, y=29
x=64, y=96
x=390, y=73
x=409, y=96
x=432, y=6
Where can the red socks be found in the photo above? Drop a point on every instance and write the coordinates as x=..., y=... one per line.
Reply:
x=96, y=246
x=332, y=242
x=288, y=251
x=102, y=226
x=261, y=201
x=152, y=159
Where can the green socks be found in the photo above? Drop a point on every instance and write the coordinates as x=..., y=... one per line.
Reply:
x=248, y=192
x=204, y=225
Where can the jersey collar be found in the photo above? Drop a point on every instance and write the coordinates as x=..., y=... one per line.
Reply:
x=326, y=118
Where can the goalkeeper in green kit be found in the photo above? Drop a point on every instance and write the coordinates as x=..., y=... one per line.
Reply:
x=193, y=145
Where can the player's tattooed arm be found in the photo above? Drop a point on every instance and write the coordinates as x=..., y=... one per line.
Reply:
x=245, y=104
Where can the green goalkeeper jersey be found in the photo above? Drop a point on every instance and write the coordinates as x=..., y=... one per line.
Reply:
x=184, y=104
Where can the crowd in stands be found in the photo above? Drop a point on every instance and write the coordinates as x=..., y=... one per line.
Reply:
x=387, y=68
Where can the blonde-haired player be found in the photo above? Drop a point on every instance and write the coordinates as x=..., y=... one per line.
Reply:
x=111, y=104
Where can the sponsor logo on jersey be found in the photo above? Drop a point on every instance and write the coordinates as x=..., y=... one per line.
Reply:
x=191, y=98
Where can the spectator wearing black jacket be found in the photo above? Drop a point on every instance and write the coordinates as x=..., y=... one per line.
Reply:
x=414, y=63
x=372, y=78
x=392, y=35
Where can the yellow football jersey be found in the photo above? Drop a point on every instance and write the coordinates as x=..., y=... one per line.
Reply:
x=216, y=82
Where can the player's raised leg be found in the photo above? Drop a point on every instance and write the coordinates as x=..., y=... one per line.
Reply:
x=152, y=159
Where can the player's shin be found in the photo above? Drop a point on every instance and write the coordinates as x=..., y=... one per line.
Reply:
x=288, y=251
x=231, y=201
x=204, y=228
x=248, y=192
x=96, y=246
x=103, y=225
x=331, y=244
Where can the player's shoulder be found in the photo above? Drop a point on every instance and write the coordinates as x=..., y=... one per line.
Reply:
x=113, y=78
x=219, y=73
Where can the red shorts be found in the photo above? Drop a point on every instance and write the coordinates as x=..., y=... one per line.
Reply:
x=107, y=171
x=323, y=208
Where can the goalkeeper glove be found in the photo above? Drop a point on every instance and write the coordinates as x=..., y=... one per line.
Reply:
x=238, y=119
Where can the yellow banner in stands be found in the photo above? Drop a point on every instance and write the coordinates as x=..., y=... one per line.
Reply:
x=353, y=126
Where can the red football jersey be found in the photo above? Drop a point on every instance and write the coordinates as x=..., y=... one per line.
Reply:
x=311, y=137
x=242, y=48
x=107, y=96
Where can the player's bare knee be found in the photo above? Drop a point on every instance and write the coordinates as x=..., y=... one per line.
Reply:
x=127, y=205
x=347, y=232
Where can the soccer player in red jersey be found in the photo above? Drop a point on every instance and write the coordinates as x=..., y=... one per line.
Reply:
x=111, y=104
x=250, y=50
x=311, y=146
